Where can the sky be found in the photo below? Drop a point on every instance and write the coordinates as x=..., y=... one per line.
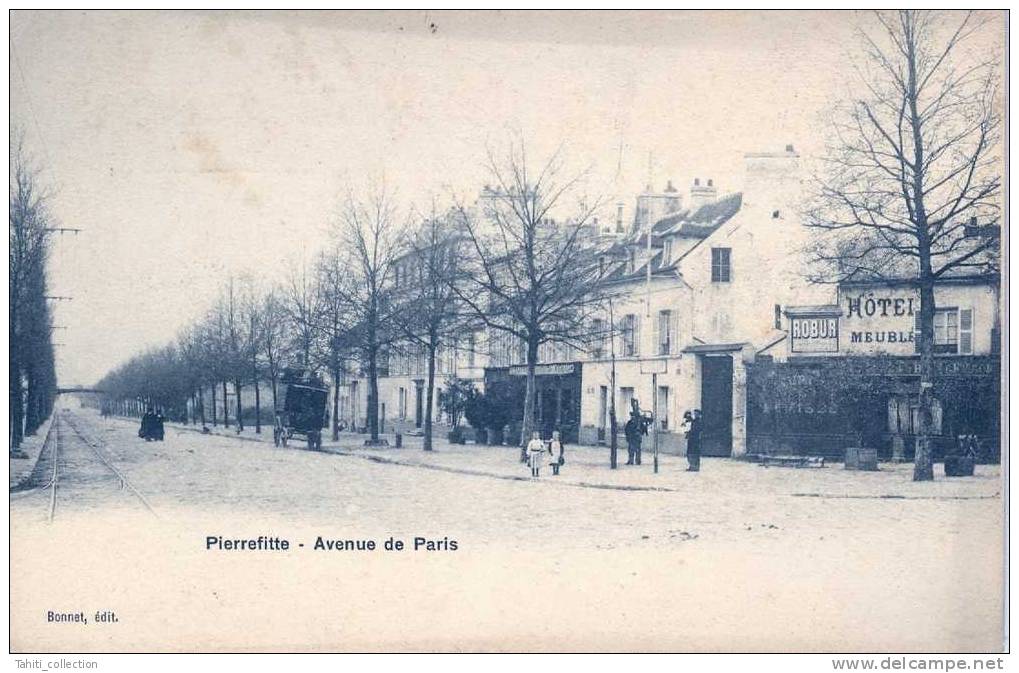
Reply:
x=191, y=147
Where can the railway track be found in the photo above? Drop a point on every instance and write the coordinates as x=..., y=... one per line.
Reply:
x=83, y=475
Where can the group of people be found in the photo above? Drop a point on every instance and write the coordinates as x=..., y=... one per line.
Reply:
x=552, y=452
x=152, y=425
x=636, y=427
x=540, y=452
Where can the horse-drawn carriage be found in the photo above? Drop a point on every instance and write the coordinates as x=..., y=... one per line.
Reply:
x=300, y=411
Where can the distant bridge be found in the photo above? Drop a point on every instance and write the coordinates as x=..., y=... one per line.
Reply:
x=80, y=389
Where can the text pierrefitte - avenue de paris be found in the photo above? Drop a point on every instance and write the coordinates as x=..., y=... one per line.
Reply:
x=275, y=543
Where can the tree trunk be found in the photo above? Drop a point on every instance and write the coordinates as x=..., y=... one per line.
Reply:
x=373, y=394
x=923, y=464
x=258, y=398
x=201, y=404
x=240, y=410
x=214, y=419
x=430, y=396
x=226, y=407
x=336, y=403
x=527, y=427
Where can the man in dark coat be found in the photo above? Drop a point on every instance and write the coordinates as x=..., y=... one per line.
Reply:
x=632, y=432
x=693, y=441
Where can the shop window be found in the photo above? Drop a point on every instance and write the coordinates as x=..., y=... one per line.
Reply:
x=904, y=415
x=721, y=265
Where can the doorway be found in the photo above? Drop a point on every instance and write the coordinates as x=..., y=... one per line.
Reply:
x=419, y=403
x=716, y=405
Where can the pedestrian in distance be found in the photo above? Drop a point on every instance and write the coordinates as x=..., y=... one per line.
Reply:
x=692, y=422
x=536, y=451
x=147, y=429
x=157, y=426
x=556, y=457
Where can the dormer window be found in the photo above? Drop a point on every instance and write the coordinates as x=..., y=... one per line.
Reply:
x=667, y=253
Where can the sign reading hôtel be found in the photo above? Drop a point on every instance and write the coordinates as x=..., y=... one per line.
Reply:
x=866, y=322
x=880, y=321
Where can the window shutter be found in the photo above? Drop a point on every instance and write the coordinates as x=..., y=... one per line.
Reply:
x=673, y=332
x=966, y=331
x=636, y=335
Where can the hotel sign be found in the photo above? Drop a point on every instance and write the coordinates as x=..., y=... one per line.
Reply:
x=880, y=321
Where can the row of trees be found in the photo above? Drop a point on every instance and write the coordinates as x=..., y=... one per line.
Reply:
x=30, y=346
x=392, y=280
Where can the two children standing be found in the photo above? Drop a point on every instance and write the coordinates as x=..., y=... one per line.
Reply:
x=538, y=452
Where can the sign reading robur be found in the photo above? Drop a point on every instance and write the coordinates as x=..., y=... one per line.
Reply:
x=813, y=329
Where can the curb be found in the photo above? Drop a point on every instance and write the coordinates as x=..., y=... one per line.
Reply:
x=47, y=427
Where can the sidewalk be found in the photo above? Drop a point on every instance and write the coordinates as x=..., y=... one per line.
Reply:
x=21, y=468
x=588, y=467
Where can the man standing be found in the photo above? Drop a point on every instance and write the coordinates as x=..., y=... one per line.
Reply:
x=693, y=441
x=632, y=432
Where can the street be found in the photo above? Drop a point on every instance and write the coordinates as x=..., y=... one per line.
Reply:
x=736, y=557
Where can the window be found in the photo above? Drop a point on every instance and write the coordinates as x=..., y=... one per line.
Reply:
x=625, y=398
x=946, y=330
x=472, y=344
x=598, y=333
x=665, y=333
x=662, y=413
x=403, y=404
x=778, y=316
x=630, y=338
x=953, y=331
x=721, y=268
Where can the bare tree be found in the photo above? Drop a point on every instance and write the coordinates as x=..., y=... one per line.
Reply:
x=527, y=274
x=426, y=283
x=333, y=325
x=370, y=229
x=301, y=307
x=273, y=329
x=915, y=160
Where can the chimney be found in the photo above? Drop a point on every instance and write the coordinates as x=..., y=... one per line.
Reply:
x=701, y=195
x=619, y=218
